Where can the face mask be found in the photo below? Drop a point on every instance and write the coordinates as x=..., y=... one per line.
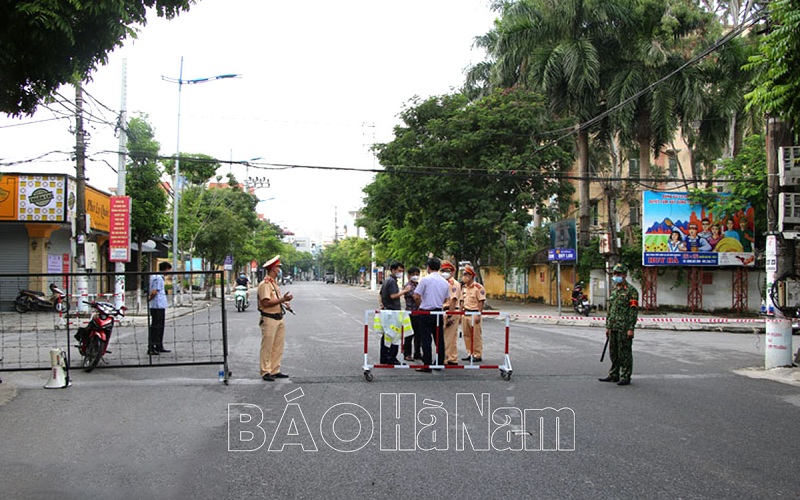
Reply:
x=398, y=275
x=618, y=279
x=446, y=276
x=415, y=279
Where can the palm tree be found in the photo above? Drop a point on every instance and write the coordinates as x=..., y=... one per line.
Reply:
x=559, y=47
x=661, y=36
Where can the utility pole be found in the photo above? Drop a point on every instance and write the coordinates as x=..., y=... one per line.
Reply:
x=119, y=267
x=80, y=201
x=779, y=253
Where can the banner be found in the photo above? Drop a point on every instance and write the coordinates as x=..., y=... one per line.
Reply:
x=119, y=235
x=563, y=240
x=676, y=232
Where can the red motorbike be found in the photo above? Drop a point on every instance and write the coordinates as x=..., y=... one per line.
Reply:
x=93, y=338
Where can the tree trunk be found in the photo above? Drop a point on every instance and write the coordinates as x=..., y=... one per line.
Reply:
x=583, y=188
x=644, y=160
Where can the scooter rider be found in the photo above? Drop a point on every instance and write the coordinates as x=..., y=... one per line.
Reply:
x=577, y=292
x=243, y=280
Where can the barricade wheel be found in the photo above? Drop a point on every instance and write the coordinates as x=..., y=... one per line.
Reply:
x=368, y=375
x=505, y=375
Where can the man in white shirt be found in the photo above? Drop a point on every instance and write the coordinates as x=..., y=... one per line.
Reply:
x=432, y=291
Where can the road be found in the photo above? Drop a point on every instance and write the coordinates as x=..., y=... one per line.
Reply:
x=688, y=427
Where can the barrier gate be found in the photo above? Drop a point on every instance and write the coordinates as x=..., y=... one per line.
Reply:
x=195, y=330
x=504, y=368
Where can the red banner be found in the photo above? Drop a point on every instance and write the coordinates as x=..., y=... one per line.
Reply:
x=119, y=241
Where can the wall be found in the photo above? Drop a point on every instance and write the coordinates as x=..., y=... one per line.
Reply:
x=717, y=295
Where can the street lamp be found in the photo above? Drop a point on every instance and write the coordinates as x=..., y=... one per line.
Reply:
x=175, y=188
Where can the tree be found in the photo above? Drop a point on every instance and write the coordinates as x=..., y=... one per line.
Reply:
x=458, y=175
x=557, y=47
x=776, y=66
x=661, y=36
x=195, y=168
x=347, y=257
x=143, y=184
x=48, y=43
x=745, y=178
x=216, y=222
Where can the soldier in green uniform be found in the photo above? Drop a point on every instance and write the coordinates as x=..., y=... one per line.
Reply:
x=623, y=310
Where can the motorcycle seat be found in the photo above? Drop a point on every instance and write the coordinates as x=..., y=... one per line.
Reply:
x=33, y=292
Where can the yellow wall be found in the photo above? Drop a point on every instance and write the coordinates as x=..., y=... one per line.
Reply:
x=541, y=284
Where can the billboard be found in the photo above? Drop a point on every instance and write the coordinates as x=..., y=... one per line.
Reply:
x=676, y=232
x=563, y=241
x=49, y=198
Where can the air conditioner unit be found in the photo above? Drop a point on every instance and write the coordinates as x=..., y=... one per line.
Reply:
x=788, y=210
x=789, y=165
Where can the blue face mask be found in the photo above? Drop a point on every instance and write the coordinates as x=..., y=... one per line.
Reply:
x=618, y=279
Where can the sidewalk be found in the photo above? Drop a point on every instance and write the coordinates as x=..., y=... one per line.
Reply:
x=14, y=322
x=678, y=321
x=548, y=315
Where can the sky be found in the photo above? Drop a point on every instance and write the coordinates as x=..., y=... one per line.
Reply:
x=320, y=82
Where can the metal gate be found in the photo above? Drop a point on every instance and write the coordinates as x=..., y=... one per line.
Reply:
x=195, y=328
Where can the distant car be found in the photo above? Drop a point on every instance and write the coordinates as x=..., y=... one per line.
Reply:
x=329, y=278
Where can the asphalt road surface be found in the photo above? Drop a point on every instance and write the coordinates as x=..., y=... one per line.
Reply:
x=687, y=427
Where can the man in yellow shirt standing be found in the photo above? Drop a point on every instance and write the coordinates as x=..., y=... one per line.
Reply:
x=451, y=321
x=474, y=299
x=272, y=306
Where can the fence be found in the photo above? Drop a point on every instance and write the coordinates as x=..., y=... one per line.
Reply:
x=195, y=328
x=397, y=328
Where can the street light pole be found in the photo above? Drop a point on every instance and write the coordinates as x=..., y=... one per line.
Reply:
x=176, y=180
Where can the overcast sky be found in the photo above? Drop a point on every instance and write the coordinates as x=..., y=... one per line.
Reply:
x=321, y=81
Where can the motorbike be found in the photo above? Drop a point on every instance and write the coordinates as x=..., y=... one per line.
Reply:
x=580, y=302
x=33, y=300
x=240, y=296
x=94, y=337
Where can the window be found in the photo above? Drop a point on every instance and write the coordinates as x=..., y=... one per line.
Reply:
x=673, y=166
x=594, y=213
x=633, y=168
x=635, y=213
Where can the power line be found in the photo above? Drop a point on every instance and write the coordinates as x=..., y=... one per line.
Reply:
x=694, y=60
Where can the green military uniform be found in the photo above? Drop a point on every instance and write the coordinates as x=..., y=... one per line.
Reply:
x=623, y=311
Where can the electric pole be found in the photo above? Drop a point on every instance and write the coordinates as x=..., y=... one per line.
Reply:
x=779, y=253
x=80, y=201
x=119, y=267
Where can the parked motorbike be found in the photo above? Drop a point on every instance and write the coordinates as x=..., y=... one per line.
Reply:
x=580, y=301
x=34, y=300
x=93, y=338
x=240, y=296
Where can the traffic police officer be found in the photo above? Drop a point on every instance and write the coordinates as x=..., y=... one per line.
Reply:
x=623, y=311
x=474, y=297
x=451, y=321
x=272, y=305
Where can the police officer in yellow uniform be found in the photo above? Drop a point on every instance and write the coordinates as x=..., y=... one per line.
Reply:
x=451, y=321
x=272, y=306
x=474, y=297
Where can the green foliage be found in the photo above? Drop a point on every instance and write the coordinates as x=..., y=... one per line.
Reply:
x=746, y=177
x=215, y=222
x=493, y=176
x=776, y=66
x=630, y=254
x=589, y=257
x=196, y=168
x=149, y=201
x=347, y=256
x=263, y=243
x=47, y=43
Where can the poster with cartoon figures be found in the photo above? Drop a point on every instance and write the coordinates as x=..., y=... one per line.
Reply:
x=676, y=232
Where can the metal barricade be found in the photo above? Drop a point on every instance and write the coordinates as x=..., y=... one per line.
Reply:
x=504, y=368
